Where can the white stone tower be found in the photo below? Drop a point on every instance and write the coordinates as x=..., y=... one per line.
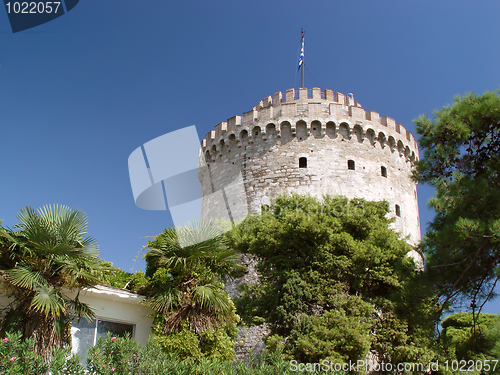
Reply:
x=317, y=143
x=312, y=143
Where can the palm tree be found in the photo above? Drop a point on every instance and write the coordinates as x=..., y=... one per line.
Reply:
x=187, y=283
x=47, y=253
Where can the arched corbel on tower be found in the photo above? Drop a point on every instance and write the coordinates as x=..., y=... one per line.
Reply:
x=392, y=143
x=358, y=133
x=316, y=129
x=286, y=132
x=412, y=158
x=382, y=139
x=370, y=135
x=301, y=130
x=344, y=131
x=401, y=148
x=270, y=131
x=214, y=152
x=407, y=153
x=232, y=142
x=222, y=147
x=256, y=132
x=331, y=130
x=243, y=137
x=208, y=157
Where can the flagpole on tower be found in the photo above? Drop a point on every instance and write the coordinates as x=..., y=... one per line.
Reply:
x=301, y=57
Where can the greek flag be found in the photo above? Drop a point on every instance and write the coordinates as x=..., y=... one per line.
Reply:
x=301, y=57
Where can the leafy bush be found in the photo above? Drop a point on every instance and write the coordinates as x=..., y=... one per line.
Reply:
x=184, y=344
x=18, y=357
x=464, y=343
x=124, y=356
x=335, y=282
x=113, y=355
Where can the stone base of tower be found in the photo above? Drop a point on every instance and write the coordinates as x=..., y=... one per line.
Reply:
x=251, y=340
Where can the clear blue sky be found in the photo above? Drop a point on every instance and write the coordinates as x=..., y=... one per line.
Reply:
x=80, y=93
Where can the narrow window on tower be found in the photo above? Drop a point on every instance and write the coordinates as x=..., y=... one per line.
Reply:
x=350, y=165
x=302, y=162
x=398, y=210
x=383, y=170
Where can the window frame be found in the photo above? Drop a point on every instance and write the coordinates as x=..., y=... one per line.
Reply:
x=96, y=325
x=398, y=210
x=302, y=162
x=108, y=320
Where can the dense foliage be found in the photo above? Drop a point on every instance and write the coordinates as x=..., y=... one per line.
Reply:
x=46, y=254
x=124, y=356
x=336, y=281
x=195, y=316
x=119, y=278
x=18, y=356
x=468, y=339
x=462, y=161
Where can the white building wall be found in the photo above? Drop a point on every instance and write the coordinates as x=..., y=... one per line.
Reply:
x=119, y=305
x=115, y=305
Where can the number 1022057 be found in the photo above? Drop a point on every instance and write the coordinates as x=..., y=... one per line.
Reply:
x=465, y=366
x=33, y=7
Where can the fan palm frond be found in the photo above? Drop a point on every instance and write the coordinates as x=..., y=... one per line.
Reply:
x=165, y=301
x=48, y=250
x=213, y=298
x=48, y=301
x=24, y=277
x=9, y=240
x=56, y=224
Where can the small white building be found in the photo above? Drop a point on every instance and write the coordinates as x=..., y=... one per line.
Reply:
x=117, y=311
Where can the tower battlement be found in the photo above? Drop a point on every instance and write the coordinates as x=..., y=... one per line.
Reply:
x=325, y=108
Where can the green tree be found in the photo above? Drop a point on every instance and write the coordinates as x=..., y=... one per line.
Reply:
x=335, y=281
x=462, y=162
x=195, y=316
x=45, y=255
x=118, y=278
x=473, y=339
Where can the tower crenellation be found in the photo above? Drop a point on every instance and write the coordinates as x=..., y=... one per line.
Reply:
x=323, y=105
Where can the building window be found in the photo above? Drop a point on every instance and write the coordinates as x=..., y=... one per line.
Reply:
x=302, y=162
x=398, y=210
x=383, y=170
x=351, y=165
x=84, y=334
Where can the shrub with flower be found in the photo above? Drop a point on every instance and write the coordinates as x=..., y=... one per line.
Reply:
x=14, y=354
x=18, y=357
x=114, y=355
x=124, y=356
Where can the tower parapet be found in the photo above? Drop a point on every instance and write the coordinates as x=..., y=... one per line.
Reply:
x=323, y=106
